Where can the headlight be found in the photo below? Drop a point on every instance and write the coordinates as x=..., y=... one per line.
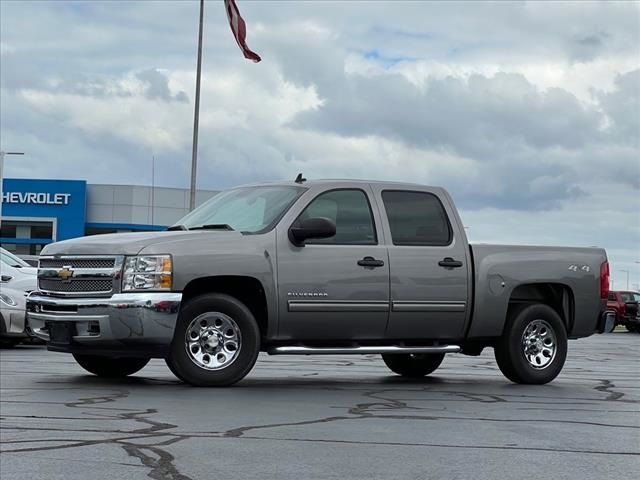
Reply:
x=8, y=300
x=147, y=272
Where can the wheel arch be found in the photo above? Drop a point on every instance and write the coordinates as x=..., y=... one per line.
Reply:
x=248, y=290
x=558, y=296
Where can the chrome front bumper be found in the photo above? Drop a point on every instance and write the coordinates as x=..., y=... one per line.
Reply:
x=124, y=322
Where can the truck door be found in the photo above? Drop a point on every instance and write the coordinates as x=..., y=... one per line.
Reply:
x=334, y=288
x=428, y=258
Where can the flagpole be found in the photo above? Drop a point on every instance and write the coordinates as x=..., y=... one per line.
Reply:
x=196, y=115
x=153, y=185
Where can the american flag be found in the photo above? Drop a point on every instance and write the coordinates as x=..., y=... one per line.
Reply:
x=239, y=29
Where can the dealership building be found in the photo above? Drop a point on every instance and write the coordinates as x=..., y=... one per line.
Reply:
x=38, y=212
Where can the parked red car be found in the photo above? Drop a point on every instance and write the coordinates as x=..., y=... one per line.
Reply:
x=625, y=304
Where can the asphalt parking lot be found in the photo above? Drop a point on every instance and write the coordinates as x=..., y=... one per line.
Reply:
x=318, y=417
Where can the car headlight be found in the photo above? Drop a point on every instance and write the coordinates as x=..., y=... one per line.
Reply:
x=7, y=300
x=147, y=272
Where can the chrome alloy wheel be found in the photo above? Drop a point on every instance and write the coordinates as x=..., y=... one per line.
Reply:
x=213, y=340
x=539, y=344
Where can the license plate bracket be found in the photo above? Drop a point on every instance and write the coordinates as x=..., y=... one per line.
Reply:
x=61, y=332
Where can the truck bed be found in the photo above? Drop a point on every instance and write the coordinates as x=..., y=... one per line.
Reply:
x=505, y=272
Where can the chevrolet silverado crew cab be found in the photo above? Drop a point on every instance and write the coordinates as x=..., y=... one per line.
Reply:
x=318, y=267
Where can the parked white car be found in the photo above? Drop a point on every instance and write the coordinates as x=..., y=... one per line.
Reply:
x=17, y=280
x=12, y=316
x=23, y=275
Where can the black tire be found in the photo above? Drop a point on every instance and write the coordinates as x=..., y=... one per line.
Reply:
x=509, y=351
x=110, y=367
x=181, y=362
x=412, y=365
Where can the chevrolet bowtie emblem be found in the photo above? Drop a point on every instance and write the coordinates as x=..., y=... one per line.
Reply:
x=65, y=273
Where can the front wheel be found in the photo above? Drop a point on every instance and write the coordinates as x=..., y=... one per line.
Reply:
x=216, y=341
x=109, y=367
x=413, y=365
x=533, y=347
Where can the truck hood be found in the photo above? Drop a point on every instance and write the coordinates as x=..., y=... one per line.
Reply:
x=133, y=243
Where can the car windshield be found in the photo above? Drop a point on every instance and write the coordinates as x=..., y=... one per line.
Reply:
x=10, y=259
x=245, y=209
x=629, y=296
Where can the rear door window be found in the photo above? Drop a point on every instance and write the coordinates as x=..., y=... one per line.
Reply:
x=416, y=218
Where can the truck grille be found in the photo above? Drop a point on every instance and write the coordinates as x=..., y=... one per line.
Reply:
x=77, y=262
x=79, y=275
x=76, y=286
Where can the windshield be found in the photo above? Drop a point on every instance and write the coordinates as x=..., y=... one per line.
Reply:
x=9, y=258
x=246, y=209
x=630, y=297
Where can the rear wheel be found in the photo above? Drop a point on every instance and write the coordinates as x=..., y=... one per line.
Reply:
x=412, y=364
x=109, y=367
x=216, y=341
x=533, y=347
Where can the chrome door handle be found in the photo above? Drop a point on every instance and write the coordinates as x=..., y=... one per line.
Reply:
x=449, y=262
x=370, y=262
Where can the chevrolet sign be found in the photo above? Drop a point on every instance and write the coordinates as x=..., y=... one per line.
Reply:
x=36, y=198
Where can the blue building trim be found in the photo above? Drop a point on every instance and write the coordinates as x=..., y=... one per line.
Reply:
x=64, y=200
x=126, y=226
x=26, y=241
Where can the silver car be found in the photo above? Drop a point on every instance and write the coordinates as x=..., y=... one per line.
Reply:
x=18, y=279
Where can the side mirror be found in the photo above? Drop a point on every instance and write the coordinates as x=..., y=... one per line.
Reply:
x=5, y=278
x=317, y=227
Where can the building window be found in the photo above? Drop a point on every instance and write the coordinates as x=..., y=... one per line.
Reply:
x=8, y=230
x=41, y=230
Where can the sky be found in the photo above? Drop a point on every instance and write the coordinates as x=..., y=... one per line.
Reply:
x=527, y=112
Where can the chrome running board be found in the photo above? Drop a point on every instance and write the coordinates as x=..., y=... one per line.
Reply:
x=302, y=350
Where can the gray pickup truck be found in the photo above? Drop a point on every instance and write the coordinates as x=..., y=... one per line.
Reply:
x=318, y=267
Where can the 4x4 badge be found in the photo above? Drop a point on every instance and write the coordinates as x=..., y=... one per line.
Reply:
x=575, y=268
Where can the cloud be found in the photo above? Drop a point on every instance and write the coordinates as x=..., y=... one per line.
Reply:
x=587, y=46
x=157, y=86
x=622, y=107
x=6, y=49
